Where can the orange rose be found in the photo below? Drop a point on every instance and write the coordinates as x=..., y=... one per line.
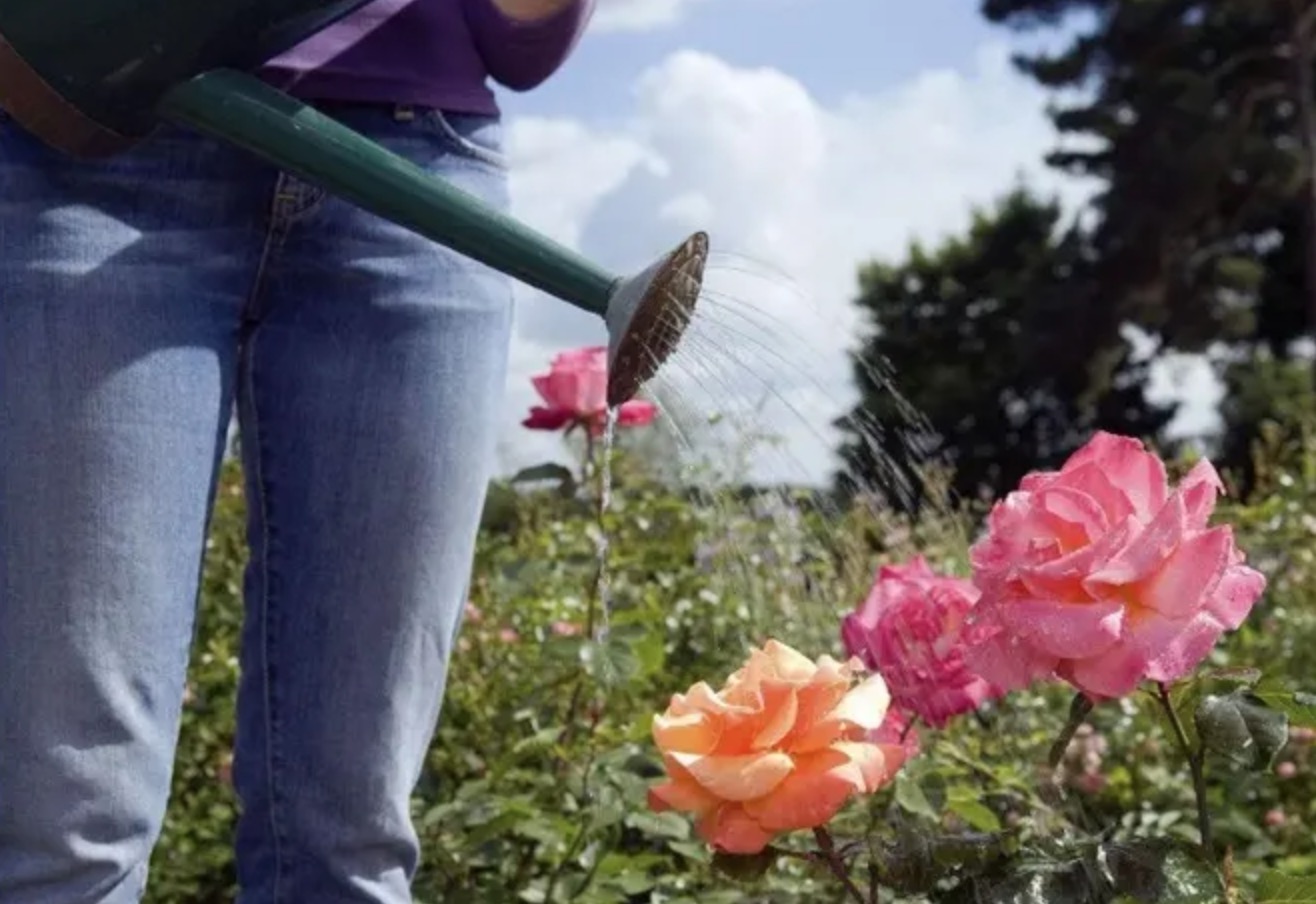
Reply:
x=782, y=747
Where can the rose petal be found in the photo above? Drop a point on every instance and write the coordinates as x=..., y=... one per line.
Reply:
x=729, y=828
x=781, y=719
x=1233, y=598
x=702, y=698
x=855, y=633
x=1137, y=473
x=1009, y=663
x=681, y=795
x=1066, y=576
x=872, y=766
x=1095, y=482
x=787, y=663
x=811, y=796
x=636, y=413
x=1155, y=648
x=547, y=418
x=737, y=778
x=1173, y=651
x=1065, y=630
x=1070, y=517
x=1199, y=490
x=691, y=733
x=1146, y=551
x=865, y=705
x=1193, y=569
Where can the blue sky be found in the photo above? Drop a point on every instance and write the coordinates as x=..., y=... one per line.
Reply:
x=835, y=47
x=808, y=136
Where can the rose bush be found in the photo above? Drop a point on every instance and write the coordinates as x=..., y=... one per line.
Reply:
x=519, y=802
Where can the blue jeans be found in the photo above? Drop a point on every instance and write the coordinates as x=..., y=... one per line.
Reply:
x=141, y=300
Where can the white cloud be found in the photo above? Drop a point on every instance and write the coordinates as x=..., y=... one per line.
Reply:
x=785, y=185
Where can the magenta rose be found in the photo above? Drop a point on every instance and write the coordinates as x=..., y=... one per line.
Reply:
x=910, y=629
x=897, y=729
x=575, y=394
x=1099, y=575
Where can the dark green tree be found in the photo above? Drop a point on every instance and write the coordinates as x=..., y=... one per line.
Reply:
x=1000, y=343
x=1193, y=114
x=1198, y=118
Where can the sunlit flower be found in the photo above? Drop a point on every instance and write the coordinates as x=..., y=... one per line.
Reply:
x=782, y=746
x=1100, y=575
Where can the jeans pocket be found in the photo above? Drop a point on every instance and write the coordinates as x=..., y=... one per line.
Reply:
x=476, y=137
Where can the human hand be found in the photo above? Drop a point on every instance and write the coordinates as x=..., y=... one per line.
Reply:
x=531, y=10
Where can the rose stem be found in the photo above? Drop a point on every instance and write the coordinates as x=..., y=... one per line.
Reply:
x=1196, y=766
x=836, y=864
x=1079, y=710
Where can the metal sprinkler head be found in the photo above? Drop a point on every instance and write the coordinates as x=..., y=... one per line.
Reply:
x=648, y=314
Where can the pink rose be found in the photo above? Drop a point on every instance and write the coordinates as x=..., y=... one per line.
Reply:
x=910, y=630
x=565, y=628
x=1098, y=574
x=575, y=393
x=896, y=730
x=1286, y=769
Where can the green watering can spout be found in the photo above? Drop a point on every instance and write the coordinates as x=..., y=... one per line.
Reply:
x=94, y=77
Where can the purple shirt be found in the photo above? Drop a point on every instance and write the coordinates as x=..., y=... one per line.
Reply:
x=430, y=53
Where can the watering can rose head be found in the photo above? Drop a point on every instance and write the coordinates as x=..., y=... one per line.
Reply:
x=1099, y=574
x=575, y=394
x=911, y=629
x=781, y=747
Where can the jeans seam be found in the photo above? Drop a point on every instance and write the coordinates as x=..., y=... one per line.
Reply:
x=262, y=503
x=293, y=200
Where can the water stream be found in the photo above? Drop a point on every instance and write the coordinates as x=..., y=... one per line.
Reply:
x=602, y=587
x=761, y=362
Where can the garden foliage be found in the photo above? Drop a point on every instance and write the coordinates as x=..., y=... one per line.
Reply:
x=536, y=787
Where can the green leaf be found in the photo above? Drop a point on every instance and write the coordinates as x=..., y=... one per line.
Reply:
x=912, y=800
x=609, y=662
x=746, y=868
x=967, y=805
x=1158, y=871
x=660, y=825
x=1185, y=696
x=566, y=480
x=500, y=508
x=1299, y=706
x=1222, y=728
x=1242, y=727
x=1277, y=888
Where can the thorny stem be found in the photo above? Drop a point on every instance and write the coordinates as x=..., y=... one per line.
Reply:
x=1079, y=710
x=582, y=831
x=828, y=855
x=596, y=591
x=587, y=469
x=1196, y=765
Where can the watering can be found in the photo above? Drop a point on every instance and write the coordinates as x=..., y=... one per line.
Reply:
x=92, y=78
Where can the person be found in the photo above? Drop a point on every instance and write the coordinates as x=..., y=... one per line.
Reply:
x=144, y=297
